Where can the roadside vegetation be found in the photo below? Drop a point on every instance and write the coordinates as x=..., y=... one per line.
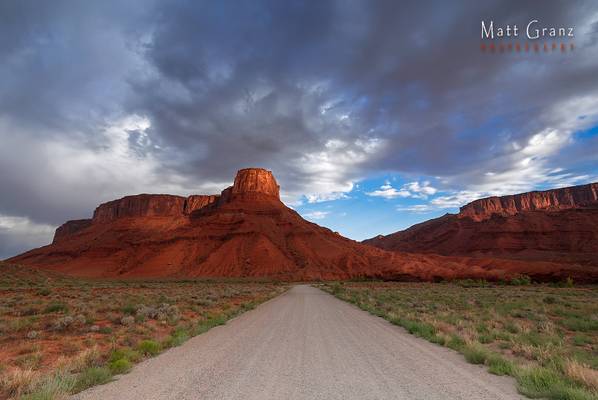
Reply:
x=545, y=336
x=60, y=335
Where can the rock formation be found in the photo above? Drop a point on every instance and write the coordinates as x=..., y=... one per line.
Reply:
x=69, y=228
x=246, y=231
x=256, y=180
x=548, y=200
x=558, y=225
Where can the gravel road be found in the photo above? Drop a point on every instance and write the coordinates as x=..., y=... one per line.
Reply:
x=306, y=344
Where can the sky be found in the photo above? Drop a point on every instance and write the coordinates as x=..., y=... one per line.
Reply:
x=373, y=115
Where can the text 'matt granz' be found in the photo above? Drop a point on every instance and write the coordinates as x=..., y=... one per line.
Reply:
x=533, y=30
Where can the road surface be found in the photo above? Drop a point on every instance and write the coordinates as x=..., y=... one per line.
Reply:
x=306, y=344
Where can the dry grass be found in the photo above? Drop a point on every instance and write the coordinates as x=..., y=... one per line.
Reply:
x=582, y=373
x=16, y=381
x=59, y=334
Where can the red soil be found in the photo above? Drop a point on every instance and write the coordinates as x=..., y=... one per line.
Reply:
x=245, y=232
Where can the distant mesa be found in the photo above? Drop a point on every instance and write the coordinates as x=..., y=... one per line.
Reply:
x=549, y=200
x=247, y=181
x=559, y=225
x=246, y=231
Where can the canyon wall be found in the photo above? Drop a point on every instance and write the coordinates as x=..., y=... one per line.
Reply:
x=549, y=200
x=256, y=180
x=247, y=181
x=69, y=228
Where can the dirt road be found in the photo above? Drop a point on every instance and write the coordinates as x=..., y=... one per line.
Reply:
x=306, y=344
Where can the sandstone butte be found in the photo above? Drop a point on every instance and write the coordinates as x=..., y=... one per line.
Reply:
x=559, y=226
x=246, y=231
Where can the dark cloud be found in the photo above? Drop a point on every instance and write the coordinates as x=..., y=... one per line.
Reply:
x=98, y=100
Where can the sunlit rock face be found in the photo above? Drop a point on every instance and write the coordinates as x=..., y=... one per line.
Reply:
x=549, y=200
x=246, y=231
x=256, y=180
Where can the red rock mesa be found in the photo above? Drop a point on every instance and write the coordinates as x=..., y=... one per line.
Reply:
x=559, y=225
x=246, y=231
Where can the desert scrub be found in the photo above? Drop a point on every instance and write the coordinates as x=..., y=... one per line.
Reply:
x=149, y=347
x=544, y=336
x=90, y=377
x=120, y=366
x=54, y=328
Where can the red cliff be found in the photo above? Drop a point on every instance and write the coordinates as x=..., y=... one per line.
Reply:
x=559, y=225
x=198, y=201
x=246, y=231
x=70, y=228
x=141, y=205
x=549, y=200
x=255, y=180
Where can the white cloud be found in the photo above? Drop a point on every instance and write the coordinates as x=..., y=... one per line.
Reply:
x=332, y=171
x=422, y=189
x=20, y=233
x=316, y=215
x=455, y=199
x=24, y=225
x=417, y=208
x=412, y=189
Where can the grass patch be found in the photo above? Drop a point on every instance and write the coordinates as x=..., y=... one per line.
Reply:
x=580, y=324
x=120, y=366
x=55, y=386
x=90, y=377
x=149, y=347
x=475, y=354
x=56, y=307
x=498, y=365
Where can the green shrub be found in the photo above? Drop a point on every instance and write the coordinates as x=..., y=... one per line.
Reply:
x=92, y=376
x=512, y=328
x=486, y=338
x=500, y=366
x=149, y=347
x=129, y=309
x=125, y=353
x=44, y=292
x=56, y=307
x=521, y=280
x=120, y=366
x=581, y=340
x=537, y=382
x=417, y=328
x=580, y=324
x=106, y=330
x=475, y=354
x=467, y=283
x=336, y=288
x=180, y=336
x=455, y=343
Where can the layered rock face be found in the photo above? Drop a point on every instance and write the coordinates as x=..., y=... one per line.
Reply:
x=142, y=205
x=69, y=228
x=244, y=232
x=558, y=225
x=198, y=201
x=256, y=180
x=549, y=200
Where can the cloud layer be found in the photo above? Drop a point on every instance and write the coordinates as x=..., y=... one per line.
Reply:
x=102, y=100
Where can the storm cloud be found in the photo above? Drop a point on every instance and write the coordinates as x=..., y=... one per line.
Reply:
x=102, y=100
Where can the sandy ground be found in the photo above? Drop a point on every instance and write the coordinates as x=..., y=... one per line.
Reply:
x=306, y=344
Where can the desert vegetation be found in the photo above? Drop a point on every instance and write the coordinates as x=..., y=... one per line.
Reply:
x=61, y=335
x=545, y=336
